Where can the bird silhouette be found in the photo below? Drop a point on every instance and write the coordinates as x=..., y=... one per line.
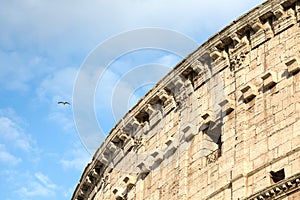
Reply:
x=63, y=102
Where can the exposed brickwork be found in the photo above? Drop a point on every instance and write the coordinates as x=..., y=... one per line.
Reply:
x=176, y=145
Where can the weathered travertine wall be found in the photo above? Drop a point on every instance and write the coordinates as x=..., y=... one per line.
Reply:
x=223, y=124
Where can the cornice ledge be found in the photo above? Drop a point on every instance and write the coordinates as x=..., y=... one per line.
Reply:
x=278, y=190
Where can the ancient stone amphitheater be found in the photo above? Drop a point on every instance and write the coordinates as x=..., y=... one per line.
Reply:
x=223, y=124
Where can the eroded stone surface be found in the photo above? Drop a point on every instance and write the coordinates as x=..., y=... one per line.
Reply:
x=218, y=125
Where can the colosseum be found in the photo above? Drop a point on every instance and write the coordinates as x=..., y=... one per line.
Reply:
x=223, y=124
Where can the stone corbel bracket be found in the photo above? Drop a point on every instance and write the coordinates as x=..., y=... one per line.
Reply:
x=155, y=114
x=208, y=120
x=293, y=65
x=143, y=129
x=262, y=32
x=95, y=174
x=123, y=138
x=171, y=146
x=119, y=192
x=220, y=59
x=194, y=76
x=158, y=157
x=144, y=166
x=249, y=92
x=227, y=106
x=169, y=105
x=111, y=147
x=177, y=89
x=88, y=181
x=189, y=131
x=270, y=79
x=285, y=17
x=129, y=180
x=176, y=85
x=103, y=159
x=139, y=124
x=116, y=153
x=240, y=42
x=129, y=144
x=131, y=126
x=167, y=100
x=189, y=86
x=202, y=74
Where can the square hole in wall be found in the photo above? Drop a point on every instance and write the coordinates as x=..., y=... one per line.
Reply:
x=277, y=176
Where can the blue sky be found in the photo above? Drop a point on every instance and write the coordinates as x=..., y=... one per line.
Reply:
x=43, y=44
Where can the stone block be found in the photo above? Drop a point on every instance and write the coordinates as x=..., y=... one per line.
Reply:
x=220, y=60
x=249, y=92
x=95, y=173
x=149, y=109
x=171, y=160
x=284, y=148
x=270, y=79
x=208, y=118
x=175, y=85
x=293, y=65
x=144, y=167
x=162, y=95
x=129, y=143
x=169, y=105
x=171, y=146
x=88, y=181
x=155, y=118
x=118, y=156
x=227, y=106
x=189, y=89
x=298, y=11
x=158, y=156
x=189, y=130
x=111, y=146
x=129, y=180
x=262, y=33
x=118, y=192
x=285, y=19
x=103, y=159
x=123, y=136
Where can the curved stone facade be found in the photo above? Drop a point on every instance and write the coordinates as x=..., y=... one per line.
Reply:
x=223, y=124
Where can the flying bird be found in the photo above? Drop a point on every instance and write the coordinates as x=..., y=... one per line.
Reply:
x=63, y=102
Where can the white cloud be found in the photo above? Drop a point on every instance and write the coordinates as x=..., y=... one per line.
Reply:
x=58, y=86
x=64, y=119
x=59, y=32
x=10, y=131
x=18, y=68
x=38, y=186
x=169, y=60
x=42, y=16
x=76, y=158
x=45, y=180
x=8, y=158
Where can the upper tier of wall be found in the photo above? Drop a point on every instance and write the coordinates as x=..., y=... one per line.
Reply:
x=226, y=49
